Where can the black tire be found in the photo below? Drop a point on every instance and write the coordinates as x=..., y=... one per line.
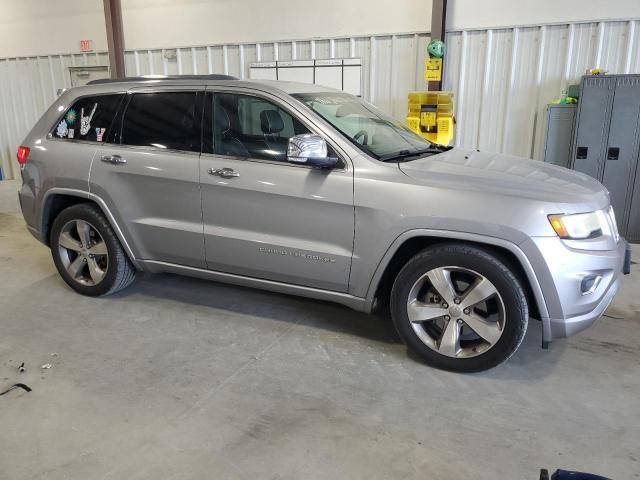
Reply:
x=493, y=269
x=119, y=272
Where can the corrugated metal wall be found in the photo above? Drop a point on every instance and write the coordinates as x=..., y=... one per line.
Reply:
x=502, y=78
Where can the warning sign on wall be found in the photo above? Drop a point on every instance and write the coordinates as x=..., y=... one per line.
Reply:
x=433, y=69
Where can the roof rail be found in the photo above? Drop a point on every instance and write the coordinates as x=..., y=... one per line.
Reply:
x=213, y=76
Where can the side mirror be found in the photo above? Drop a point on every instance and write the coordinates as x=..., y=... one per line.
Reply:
x=309, y=149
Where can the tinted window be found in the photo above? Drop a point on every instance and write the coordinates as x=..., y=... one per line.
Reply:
x=89, y=118
x=163, y=120
x=246, y=126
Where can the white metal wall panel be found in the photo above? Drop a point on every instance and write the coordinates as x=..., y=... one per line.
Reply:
x=470, y=99
x=520, y=111
x=632, y=61
x=501, y=78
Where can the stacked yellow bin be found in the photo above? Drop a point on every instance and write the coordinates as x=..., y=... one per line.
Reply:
x=431, y=116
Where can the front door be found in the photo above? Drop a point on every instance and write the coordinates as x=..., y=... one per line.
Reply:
x=148, y=174
x=264, y=217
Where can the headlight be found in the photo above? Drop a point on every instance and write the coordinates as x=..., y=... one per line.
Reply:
x=581, y=226
x=614, y=224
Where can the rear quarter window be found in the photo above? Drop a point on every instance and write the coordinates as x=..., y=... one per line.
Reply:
x=88, y=119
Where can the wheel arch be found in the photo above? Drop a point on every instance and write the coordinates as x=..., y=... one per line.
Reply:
x=412, y=242
x=58, y=199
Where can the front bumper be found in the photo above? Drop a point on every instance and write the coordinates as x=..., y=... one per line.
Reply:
x=565, y=327
x=562, y=271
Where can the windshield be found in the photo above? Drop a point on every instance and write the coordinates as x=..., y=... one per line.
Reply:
x=368, y=128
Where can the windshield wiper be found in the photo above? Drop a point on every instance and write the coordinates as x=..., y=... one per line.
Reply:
x=405, y=154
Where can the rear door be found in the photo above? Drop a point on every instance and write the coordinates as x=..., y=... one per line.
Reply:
x=265, y=217
x=148, y=174
x=72, y=146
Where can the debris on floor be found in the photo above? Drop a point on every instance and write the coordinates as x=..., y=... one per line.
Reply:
x=46, y=366
x=22, y=368
x=13, y=387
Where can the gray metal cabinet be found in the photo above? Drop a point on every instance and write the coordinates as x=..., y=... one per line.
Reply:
x=607, y=143
x=561, y=121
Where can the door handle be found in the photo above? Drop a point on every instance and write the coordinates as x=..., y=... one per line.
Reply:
x=115, y=159
x=223, y=172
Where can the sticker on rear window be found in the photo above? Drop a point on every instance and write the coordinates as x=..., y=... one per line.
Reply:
x=70, y=117
x=100, y=133
x=62, y=129
x=85, y=122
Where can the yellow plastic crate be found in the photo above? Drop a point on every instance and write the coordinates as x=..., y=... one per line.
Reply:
x=431, y=116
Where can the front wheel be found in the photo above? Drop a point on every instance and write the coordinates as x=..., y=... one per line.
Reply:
x=459, y=308
x=87, y=252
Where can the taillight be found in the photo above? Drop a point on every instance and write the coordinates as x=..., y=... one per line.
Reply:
x=23, y=154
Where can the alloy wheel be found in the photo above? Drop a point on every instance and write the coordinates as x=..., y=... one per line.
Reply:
x=83, y=252
x=456, y=311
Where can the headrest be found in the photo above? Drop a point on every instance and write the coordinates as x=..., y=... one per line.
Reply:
x=271, y=121
x=221, y=123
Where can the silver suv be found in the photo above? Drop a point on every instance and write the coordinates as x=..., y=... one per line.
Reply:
x=305, y=190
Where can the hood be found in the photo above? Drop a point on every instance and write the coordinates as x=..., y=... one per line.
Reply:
x=507, y=175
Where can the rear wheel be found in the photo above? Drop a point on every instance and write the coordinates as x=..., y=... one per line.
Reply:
x=87, y=252
x=459, y=308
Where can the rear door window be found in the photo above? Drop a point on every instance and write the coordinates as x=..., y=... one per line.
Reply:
x=164, y=120
x=89, y=119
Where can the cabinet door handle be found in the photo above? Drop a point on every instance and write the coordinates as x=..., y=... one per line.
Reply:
x=581, y=153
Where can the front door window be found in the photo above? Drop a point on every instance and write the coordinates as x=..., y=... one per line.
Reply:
x=248, y=126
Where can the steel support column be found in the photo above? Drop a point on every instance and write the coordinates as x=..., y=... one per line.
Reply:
x=115, y=37
x=438, y=26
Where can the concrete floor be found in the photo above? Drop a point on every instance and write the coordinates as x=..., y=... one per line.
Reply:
x=187, y=379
